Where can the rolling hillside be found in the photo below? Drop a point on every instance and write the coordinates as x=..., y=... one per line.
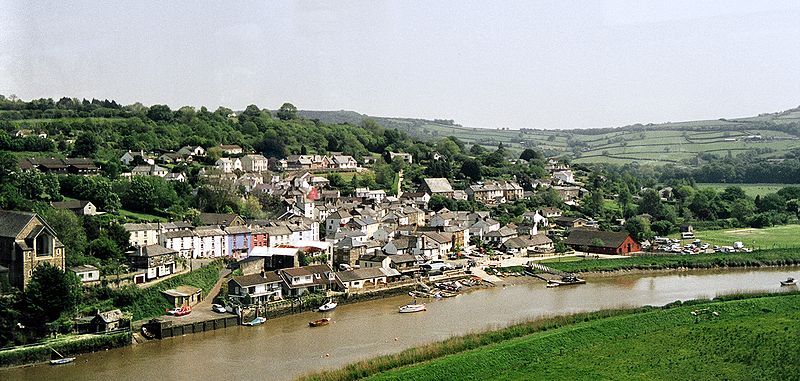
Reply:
x=768, y=135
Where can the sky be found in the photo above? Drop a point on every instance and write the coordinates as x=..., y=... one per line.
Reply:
x=514, y=64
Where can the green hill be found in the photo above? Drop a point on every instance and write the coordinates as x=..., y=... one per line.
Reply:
x=767, y=135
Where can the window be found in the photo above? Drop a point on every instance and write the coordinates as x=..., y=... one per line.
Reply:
x=44, y=245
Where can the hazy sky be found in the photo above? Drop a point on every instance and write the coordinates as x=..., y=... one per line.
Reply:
x=551, y=64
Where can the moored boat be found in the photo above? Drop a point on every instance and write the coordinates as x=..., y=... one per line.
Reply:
x=257, y=321
x=330, y=305
x=65, y=360
x=413, y=307
x=789, y=282
x=319, y=322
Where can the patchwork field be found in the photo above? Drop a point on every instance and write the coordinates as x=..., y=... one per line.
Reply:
x=751, y=190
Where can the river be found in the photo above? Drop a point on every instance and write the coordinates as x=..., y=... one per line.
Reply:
x=285, y=348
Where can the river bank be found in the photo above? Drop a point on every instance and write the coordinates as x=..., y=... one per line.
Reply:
x=359, y=331
x=655, y=341
x=756, y=259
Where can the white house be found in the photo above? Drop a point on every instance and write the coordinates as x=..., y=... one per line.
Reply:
x=402, y=156
x=149, y=170
x=142, y=234
x=181, y=241
x=229, y=165
x=344, y=162
x=210, y=242
x=254, y=163
x=192, y=151
x=360, y=278
x=86, y=273
x=565, y=176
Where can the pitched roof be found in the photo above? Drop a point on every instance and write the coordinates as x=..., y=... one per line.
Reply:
x=588, y=237
x=156, y=250
x=254, y=279
x=360, y=274
x=438, y=185
x=12, y=222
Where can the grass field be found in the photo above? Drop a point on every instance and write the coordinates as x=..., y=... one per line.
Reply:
x=136, y=216
x=751, y=338
x=751, y=190
x=772, y=257
x=765, y=238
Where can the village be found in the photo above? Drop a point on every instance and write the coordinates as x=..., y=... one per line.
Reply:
x=323, y=244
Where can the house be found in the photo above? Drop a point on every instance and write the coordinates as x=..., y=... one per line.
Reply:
x=78, y=166
x=143, y=234
x=528, y=245
x=304, y=280
x=568, y=193
x=549, y=212
x=407, y=157
x=570, y=222
x=564, y=176
x=494, y=192
x=130, y=157
x=181, y=241
x=240, y=241
x=358, y=279
x=170, y=158
x=277, y=257
x=188, y=151
x=256, y=288
x=88, y=274
x=374, y=260
x=27, y=241
x=377, y=196
x=221, y=219
x=184, y=295
x=250, y=265
x=347, y=252
x=401, y=245
x=343, y=162
x=254, y=163
x=500, y=236
x=437, y=186
x=336, y=220
x=210, y=242
x=149, y=170
x=228, y=165
x=177, y=177
x=157, y=261
x=81, y=208
x=687, y=232
x=231, y=149
x=602, y=242
x=108, y=321
x=434, y=245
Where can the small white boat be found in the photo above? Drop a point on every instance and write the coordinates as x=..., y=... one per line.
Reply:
x=329, y=306
x=257, y=321
x=414, y=307
x=789, y=282
x=65, y=360
x=552, y=284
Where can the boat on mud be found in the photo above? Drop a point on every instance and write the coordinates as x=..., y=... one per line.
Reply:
x=257, y=321
x=319, y=322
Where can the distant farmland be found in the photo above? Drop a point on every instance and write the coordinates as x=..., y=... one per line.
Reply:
x=769, y=136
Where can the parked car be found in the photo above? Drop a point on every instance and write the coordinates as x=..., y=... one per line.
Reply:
x=218, y=308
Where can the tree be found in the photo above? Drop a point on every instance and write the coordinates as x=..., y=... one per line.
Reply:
x=650, y=203
x=86, y=145
x=639, y=228
x=471, y=169
x=104, y=248
x=68, y=229
x=49, y=294
x=530, y=154
x=8, y=166
x=439, y=168
x=662, y=227
x=287, y=111
x=159, y=113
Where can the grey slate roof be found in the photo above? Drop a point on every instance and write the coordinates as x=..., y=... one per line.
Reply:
x=12, y=222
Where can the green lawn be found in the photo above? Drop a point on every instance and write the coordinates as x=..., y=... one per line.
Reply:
x=141, y=216
x=775, y=236
x=751, y=190
x=751, y=339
